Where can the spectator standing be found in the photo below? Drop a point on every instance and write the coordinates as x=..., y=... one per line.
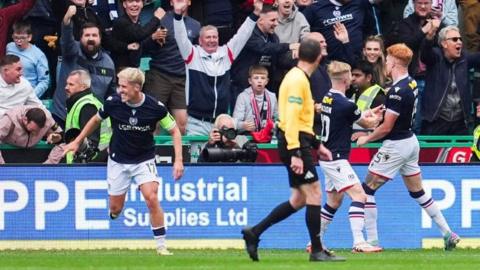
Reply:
x=165, y=80
x=263, y=48
x=412, y=31
x=357, y=17
x=15, y=90
x=447, y=9
x=447, y=102
x=45, y=32
x=208, y=68
x=85, y=54
x=374, y=53
x=128, y=34
x=292, y=26
x=34, y=61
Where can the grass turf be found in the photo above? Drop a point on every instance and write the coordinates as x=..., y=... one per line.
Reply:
x=236, y=259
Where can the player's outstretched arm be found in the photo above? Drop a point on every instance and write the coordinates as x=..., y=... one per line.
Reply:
x=91, y=126
x=177, y=147
x=381, y=131
x=371, y=118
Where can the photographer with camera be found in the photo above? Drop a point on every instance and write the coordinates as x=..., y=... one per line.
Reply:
x=81, y=106
x=222, y=145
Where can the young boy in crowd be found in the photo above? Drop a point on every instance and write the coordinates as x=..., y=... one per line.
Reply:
x=34, y=61
x=256, y=107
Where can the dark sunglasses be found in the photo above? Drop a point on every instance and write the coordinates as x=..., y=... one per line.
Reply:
x=454, y=39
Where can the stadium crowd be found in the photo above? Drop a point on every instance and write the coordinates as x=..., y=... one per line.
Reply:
x=217, y=58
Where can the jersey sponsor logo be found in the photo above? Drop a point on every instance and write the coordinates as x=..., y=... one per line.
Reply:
x=327, y=100
x=342, y=18
x=160, y=103
x=357, y=112
x=292, y=99
x=133, y=128
x=396, y=97
x=326, y=109
x=109, y=98
x=413, y=84
x=309, y=175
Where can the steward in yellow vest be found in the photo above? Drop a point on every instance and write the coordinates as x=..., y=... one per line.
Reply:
x=368, y=94
x=81, y=106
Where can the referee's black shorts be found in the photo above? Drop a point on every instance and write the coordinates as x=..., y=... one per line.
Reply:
x=309, y=171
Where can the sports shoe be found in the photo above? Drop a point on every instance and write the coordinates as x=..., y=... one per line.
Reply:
x=251, y=243
x=324, y=256
x=451, y=240
x=374, y=243
x=365, y=247
x=308, y=249
x=164, y=252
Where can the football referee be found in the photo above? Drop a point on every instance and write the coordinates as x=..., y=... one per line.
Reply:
x=295, y=141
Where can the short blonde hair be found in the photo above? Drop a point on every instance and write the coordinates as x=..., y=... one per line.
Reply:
x=337, y=70
x=401, y=52
x=132, y=75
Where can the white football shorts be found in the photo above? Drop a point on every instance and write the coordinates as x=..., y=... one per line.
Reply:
x=339, y=175
x=396, y=156
x=120, y=176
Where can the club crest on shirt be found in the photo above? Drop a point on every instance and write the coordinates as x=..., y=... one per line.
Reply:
x=337, y=12
x=133, y=121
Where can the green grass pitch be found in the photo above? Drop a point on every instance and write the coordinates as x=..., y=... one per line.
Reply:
x=237, y=259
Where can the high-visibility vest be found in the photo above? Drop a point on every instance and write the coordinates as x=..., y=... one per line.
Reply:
x=73, y=121
x=366, y=98
x=476, y=136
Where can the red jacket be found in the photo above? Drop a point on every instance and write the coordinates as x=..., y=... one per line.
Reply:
x=8, y=16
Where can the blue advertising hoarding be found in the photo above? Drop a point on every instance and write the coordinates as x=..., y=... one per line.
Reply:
x=215, y=202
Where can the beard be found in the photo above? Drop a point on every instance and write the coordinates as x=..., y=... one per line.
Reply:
x=90, y=49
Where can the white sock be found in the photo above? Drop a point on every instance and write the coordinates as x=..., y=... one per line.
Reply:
x=159, y=236
x=327, y=214
x=356, y=214
x=429, y=205
x=371, y=219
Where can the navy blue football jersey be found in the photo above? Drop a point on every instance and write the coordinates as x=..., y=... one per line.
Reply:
x=133, y=126
x=402, y=100
x=338, y=116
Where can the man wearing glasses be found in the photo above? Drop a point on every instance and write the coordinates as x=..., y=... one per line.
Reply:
x=447, y=102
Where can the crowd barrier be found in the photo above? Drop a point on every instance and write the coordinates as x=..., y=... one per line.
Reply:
x=41, y=204
x=434, y=149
